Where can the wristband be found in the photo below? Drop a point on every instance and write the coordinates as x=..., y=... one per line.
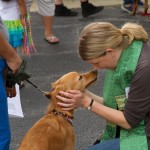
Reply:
x=91, y=103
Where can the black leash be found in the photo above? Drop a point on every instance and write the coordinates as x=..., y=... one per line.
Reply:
x=36, y=86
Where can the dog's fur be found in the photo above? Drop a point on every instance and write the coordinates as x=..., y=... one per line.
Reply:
x=54, y=131
x=135, y=6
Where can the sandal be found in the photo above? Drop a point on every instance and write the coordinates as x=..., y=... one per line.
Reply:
x=52, y=39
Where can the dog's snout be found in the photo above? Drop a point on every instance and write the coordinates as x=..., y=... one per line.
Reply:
x=95, y=72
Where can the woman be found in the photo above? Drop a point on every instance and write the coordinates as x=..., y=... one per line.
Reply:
x=126, y=99
x=8, y=57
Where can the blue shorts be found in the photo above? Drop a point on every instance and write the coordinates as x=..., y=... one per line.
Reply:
x=107, y=145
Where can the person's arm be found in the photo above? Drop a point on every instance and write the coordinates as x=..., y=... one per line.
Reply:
x=112, y=115
x=115, y=116
x=94, y=97
x=9, y=54
x=74, y=99
x=137, y=106
x=22, y=7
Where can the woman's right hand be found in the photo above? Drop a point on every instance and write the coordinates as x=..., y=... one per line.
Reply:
x=73, y=99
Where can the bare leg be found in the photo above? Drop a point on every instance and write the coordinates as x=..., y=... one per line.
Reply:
x=58, y=2
x=48, y=26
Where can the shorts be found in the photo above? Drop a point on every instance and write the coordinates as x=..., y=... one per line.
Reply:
x=45, y=7
x=113, y=144
x=15, y=30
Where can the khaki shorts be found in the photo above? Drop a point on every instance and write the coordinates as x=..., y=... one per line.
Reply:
x=45, y=7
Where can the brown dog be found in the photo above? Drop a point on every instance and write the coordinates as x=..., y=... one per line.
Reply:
x=54, y=131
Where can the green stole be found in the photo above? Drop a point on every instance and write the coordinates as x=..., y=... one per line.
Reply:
x=114, y=97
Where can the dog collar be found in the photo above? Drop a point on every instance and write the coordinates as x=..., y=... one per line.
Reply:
x=67, y=117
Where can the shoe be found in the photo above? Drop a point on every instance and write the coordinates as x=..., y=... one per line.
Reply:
x=127, y=7
x=61, y=10
x=89, y=9
x=52, y=39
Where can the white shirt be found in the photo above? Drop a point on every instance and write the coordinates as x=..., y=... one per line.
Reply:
x=9, y=10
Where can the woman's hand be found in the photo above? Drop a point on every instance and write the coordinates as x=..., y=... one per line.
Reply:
x=72, y=99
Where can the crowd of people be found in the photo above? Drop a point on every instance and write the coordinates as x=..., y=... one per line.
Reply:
x=105, y=47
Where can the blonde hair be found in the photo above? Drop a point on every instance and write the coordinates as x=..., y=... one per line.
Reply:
x=97, y=37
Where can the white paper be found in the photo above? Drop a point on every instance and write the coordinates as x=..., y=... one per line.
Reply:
x=127, y=89
x=14, y=105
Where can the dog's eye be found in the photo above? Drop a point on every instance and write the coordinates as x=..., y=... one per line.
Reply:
x=80, y=77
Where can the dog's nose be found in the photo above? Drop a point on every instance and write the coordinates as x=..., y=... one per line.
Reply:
x=95, y=72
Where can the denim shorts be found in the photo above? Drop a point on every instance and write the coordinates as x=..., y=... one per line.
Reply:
x=107, y=145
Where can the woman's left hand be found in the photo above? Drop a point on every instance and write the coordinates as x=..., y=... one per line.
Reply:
x=71, y=99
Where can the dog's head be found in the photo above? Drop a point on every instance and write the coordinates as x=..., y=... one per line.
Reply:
x=71, y=81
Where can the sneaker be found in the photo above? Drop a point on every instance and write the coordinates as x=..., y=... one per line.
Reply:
x=89, y=9
x=140, y=3
x=127, y=7
x=61, y=10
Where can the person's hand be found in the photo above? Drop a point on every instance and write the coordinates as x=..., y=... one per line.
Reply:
x=21, y=73
x=18, y=76
x=11, y=91
x=72, y=99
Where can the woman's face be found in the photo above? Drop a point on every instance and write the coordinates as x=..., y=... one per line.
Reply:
x=107, y=61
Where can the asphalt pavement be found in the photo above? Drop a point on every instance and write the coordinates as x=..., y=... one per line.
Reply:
x=52, y=61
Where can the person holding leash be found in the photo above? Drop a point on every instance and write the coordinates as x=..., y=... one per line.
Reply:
x=7, y=57
x=125, y=104
x=11, y=72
